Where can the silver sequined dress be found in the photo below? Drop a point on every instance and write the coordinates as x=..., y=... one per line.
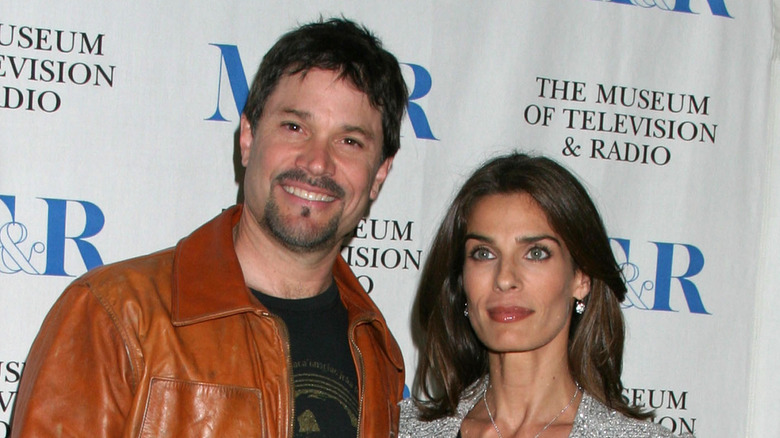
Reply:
x=593, y=420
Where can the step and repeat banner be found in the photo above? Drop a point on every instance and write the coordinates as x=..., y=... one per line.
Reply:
x=118, y=136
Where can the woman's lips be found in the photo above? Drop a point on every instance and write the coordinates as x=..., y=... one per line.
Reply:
x=509, y=314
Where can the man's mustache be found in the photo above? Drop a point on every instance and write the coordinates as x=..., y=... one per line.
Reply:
x=323, y=182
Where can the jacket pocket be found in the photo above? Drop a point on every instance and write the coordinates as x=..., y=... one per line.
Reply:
x=185, y=409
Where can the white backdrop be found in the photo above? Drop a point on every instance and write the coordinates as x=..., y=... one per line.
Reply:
x=117, y=138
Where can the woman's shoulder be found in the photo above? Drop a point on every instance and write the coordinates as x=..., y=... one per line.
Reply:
x=444, y=427
x=594, y=419
x=411, y=425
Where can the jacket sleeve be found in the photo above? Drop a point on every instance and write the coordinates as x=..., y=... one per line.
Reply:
x=78, y=380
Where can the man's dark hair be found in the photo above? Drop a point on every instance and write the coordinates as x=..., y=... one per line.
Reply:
x=343, y=46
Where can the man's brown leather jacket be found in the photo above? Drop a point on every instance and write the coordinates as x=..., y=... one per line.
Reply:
x=173, y=344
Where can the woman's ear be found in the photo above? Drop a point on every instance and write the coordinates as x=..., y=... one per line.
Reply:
x=581, y=285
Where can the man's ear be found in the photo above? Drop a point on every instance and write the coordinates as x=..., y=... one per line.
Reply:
x=245, y=139
x=380, y=177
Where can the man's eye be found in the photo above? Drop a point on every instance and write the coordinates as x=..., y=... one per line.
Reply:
x=352, y=142
x=291, y=126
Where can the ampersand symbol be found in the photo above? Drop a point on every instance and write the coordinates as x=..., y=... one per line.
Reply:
x=634, y=298
x=12, y=258
x=571, y=149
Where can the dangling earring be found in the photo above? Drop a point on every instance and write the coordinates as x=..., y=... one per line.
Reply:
x=466, y=310
x=579, y=306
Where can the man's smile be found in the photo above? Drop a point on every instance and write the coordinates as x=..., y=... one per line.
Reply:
x=305, y=194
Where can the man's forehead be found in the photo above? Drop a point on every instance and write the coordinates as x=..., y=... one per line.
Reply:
x=290, y=95
x=336, y=77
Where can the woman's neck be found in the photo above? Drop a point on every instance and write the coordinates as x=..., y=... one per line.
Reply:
x=526, y=391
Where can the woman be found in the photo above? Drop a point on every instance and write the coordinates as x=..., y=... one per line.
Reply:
x=519, y=306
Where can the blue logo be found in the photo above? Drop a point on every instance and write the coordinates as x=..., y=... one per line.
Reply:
x=230, y=63
x=20, y=253
x=716, y=7
x=422, y=86
x=668, y=256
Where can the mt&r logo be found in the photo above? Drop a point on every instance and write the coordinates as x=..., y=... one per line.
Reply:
x=671, y=269
x=19, y=252
x=239, y=87
x=716, y=7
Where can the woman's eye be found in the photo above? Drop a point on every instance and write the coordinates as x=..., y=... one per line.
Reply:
x=538, y=253
x=482, y=254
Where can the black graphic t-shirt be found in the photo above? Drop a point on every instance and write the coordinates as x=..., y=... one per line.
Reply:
x=324, y=376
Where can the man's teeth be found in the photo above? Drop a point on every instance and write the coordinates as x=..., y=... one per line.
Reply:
x=307, y=195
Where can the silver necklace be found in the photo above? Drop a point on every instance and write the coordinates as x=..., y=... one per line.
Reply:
x=495, y=426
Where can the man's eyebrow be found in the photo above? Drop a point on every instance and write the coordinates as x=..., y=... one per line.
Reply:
x=305, y=115
x=302, y=114
x=360, y=130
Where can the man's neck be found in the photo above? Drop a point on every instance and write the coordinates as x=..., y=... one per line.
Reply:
x=270, y=267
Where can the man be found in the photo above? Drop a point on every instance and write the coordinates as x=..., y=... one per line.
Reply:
x=253, y=325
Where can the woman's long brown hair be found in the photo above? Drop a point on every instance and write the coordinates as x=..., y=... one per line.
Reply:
x=451, y=356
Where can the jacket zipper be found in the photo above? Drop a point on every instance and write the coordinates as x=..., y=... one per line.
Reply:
x=362, y=368
x=290, y=383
